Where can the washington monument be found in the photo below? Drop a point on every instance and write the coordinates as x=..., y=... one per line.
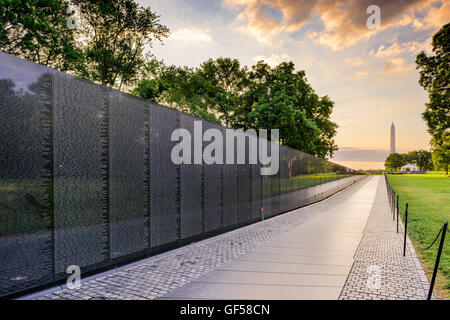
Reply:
x=392, y=138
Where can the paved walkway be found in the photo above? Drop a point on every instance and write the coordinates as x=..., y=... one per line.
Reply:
x=310, y=261
x=305, y=254
x=380, y=271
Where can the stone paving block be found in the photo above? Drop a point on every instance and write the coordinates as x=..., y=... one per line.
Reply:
x=381, y=248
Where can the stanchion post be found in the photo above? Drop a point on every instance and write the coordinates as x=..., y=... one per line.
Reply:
x=392, y=194
x=393, y=207
x=393, y=200
x=398, y=211
x=438, y=258
x=389, y=194
x=406, y=230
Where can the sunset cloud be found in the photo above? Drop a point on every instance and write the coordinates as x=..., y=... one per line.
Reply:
x=354, y=62
x=395, y=49
x=191, y=35
x=397, y=65
x=344, y=21
x=361, y=74
x=437, y=13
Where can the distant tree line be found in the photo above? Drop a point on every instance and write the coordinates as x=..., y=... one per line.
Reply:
x=421, y=158
x=110, y=45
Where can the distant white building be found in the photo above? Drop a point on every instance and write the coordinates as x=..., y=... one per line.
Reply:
x=409, y=168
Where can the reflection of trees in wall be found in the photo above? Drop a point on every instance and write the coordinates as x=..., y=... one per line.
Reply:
x=21, y=116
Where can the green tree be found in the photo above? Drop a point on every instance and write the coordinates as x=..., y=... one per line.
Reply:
x=394, y=161
x=181, y=88
x=115, y=36
x=280, y=98
x=211, y=91
x=227, y=82
x=261, y=98
x=421, y=158
x=441, y=153
x=37, y=31
x=435, y=78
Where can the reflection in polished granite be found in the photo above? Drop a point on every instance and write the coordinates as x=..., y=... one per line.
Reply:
x=86, y=178
x=25, y=175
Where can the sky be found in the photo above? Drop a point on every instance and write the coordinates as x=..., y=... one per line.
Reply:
x=369, y=73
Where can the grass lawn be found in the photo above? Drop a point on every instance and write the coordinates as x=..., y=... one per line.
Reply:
x=428, y=197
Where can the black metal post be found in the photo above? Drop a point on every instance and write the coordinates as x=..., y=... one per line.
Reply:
x=406, y=230
x=393, y=196
x=389, y=194
x=438, y=258
x=390, y=199
x=393, y=207
x=398, y=212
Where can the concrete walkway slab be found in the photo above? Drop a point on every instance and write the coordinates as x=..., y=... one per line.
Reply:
x=227, y=291
x=273, y=278
x=277, y=267
x=306, y=265
x=296, y=259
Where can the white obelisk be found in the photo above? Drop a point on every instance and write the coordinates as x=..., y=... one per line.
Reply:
x=392, y=138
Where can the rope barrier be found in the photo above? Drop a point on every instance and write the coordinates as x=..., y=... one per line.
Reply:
x=412, y=230
x=408, y=227
x=417, y=242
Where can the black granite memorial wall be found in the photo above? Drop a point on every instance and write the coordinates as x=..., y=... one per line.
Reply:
x=87, y=178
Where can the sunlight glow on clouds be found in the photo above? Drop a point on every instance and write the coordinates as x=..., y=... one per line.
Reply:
x=361, y=74
x=354, y=62
x=191, y=35
x=344, y=21
x=397, y=65
x=273, y=60
x=396, y=49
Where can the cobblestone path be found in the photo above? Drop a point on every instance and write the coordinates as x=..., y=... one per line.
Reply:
x=380, y=271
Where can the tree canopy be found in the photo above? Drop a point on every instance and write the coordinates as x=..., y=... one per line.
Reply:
x=260, y=97
x=441, y=154
x=109, y=45
x=115, y=35
x=435, y=78
x=394, y=161
x=37, y=31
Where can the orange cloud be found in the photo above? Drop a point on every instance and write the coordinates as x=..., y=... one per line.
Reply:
x=354, y=62
x=435, y=16
x=397, y=65
x=260, y=25
x=344, y=21
x=395, y=49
